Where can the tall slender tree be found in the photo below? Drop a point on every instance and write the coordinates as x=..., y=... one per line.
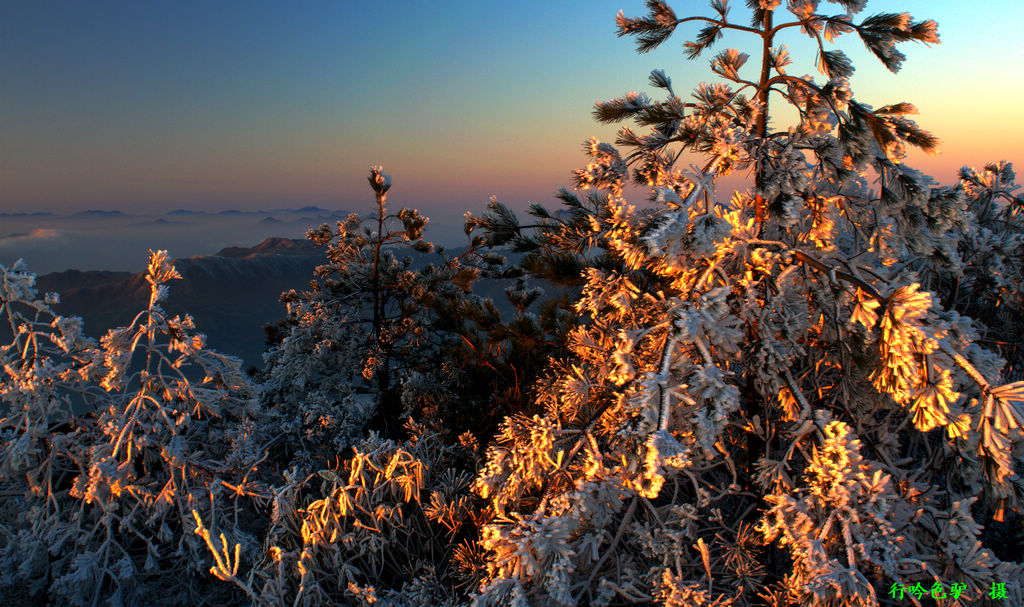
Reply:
x=364, y=327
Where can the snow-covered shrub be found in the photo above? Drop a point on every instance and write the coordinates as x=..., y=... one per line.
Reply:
x=109, y=448
x=381, y=527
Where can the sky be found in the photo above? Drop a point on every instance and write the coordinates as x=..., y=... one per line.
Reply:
x=152, y=106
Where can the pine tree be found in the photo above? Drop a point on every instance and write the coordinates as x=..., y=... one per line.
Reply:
x=390, y=519
x=764, y=404
x=379, y=338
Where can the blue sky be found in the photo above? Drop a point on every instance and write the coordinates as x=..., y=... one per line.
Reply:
x=158, y=105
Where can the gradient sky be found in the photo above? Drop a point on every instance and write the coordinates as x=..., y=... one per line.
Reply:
x=151, y=106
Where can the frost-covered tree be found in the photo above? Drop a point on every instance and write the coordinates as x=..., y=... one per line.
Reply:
x=765, y=403
x=989, y=283
x=362, y=332
x=364, y=513
x=379, y=337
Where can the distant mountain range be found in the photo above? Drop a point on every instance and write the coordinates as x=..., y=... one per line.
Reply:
x=231, y=295
x=309, y=209
x=100, y=213
x=161, y=221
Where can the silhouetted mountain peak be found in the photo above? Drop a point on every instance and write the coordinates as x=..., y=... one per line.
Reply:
x=160, y=221
x=274, y=246
x=99, y=213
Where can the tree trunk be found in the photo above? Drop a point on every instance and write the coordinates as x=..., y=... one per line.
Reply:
x=762, y=118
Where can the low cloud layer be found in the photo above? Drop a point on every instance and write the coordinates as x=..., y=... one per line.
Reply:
x=99, y=240
x=36, y=234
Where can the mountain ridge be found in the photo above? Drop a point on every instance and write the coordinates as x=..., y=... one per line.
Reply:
x=231, y=294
